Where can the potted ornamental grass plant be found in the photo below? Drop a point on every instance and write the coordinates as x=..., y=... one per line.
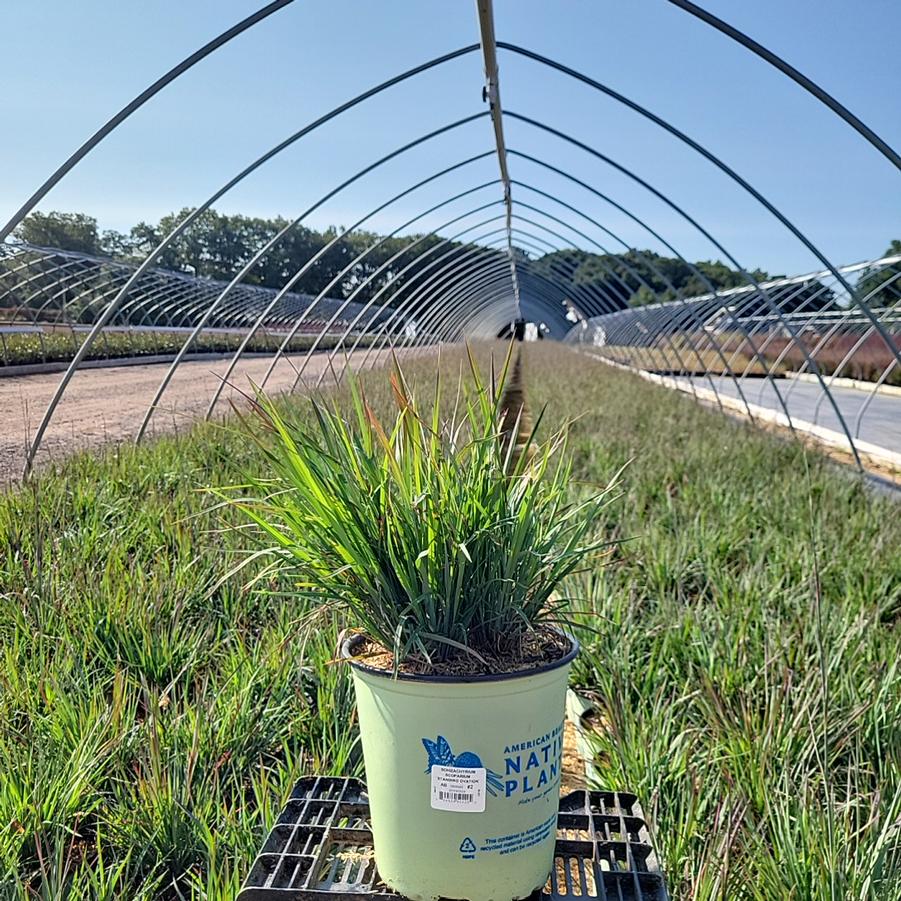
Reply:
x=442, y=541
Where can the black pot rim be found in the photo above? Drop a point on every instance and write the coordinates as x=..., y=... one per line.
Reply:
x=353, y=642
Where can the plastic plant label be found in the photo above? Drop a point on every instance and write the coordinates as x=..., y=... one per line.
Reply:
x=458, y=788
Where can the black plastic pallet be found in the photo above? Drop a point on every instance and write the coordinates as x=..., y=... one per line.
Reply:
x=320, y=849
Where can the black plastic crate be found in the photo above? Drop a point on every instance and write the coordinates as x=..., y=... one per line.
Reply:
x=320, y=849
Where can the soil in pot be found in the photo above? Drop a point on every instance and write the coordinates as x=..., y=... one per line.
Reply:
x=533, y=649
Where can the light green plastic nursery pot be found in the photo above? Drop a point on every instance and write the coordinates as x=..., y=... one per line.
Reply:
x=463, y=777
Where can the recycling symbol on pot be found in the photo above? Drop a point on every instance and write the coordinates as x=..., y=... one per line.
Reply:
x=468, y=848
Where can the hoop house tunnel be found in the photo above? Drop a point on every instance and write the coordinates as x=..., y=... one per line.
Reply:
x=492, y=241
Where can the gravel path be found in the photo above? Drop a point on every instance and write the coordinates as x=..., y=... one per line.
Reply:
x=107, y=405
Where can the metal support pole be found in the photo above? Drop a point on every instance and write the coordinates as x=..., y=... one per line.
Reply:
x=297, y=275
x=726, y=170
x=132, y=107
x=291, y=281
x=643, y=225
x=492, y=93
x=750, y=278
x=198, y=211
x=384, y=267
x=796, y=76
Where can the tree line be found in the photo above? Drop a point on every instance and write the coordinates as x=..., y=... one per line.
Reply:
x=218, y=245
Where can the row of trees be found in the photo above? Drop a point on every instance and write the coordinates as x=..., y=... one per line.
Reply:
x=636, y=278
x=218, y=246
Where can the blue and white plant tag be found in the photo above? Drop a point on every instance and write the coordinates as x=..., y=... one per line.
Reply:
x=458, y=788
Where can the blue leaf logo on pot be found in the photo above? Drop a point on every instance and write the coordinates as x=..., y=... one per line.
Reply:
x=440, y=754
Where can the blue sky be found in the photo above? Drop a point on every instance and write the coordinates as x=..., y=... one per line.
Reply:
x=69, y=65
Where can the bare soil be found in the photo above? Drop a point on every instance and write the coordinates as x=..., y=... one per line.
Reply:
x=106, y=405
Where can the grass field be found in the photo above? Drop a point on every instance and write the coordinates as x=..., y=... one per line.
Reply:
x=743, y=651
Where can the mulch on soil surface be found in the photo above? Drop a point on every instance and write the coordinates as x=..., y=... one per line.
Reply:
x=533, y=649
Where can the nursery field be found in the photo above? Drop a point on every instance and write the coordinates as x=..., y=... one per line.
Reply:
x=869, y=362
x=60, y=345
x=741, y=643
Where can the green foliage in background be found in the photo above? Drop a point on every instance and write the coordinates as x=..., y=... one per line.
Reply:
x=639, y=277
x=218, y=245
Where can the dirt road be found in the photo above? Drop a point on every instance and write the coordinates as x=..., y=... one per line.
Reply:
x=107, y=405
